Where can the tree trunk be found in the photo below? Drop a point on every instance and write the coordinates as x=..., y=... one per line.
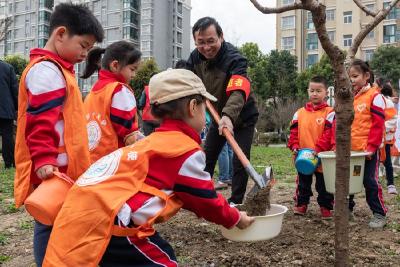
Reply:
x=344, y=118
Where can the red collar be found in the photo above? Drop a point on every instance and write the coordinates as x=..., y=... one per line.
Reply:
x=178, y=125
x=311, y=107
x=106, y=77
x=39, y=52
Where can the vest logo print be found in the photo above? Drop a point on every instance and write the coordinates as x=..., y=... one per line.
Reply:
x=94, y=134
x=101, y=170
x=320, y=121
x=133, y=155
x=361, y=107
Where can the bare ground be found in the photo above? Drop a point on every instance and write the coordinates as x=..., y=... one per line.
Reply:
x=304, y=241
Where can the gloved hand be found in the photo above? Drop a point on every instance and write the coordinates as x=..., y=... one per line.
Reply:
x=225, y=122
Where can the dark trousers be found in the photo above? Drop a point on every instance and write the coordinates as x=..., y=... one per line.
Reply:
x=41, y=235
x=7, y=134
x=128, y=251
x=304, y=191
x=388, y=165
x=373, y=189
x=213, y=146
x=149, y=127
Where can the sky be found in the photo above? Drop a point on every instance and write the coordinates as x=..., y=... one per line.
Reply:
x=241, y=22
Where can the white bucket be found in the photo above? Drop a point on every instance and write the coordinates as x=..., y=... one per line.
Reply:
x=357, y=162
x=263, y=228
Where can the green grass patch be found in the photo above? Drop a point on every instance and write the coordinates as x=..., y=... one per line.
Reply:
x=25, y=225
x=3, y=238
x=4, y=258
x=6, y=189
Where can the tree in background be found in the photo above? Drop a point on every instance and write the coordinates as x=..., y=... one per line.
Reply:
x=147, y=69
x=18, y=62
x=386, y=63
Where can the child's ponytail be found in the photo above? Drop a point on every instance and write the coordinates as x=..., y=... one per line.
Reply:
x=93, y=62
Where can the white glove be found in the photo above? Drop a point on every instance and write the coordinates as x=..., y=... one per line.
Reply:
x=225, y=122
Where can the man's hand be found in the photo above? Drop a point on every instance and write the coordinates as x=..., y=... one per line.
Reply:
x=225, y=122
x=46, y=171
x=245, y=220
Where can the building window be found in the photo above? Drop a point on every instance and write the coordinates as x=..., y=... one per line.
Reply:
x=394, y=13
x=146, y=13
x=347, y=17
x=179, y=52
x=287, y=23
x=179, y=7
x=130, y=33
x=288, y=43
x=130, y=17
x=331, y=35
x=311, y=60
x=179, y=22
x=146, y=46
x=179, y=37
x=371, y=35
x=44, y=16
x=390, y=34
x=43, y=30
x=312, y=41
x=330, y=15
x=287, y=2
x=42, y=42
x=310, y=24
x=369, y=54
x=146, y=30
x=347, y=40
x=131, y=4
x=46, y=4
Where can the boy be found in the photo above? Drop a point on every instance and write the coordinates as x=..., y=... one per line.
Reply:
x=107, y=218
x=307, y=129
x=51, y=133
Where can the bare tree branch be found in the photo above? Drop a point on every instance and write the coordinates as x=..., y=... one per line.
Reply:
x=271, y=10
x=361, y=35
x=4, y=25
x=365, y=9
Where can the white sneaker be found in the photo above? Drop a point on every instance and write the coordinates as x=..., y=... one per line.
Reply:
x=378, y=221
x=392, y=189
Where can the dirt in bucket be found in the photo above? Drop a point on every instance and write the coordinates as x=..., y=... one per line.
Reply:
x=257, y=201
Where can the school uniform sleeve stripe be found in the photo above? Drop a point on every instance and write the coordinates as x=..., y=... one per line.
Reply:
x=120, y=121
x=46, y=106
x=123, y=99
x=193, y=167
x=203, y=193
x=379, y=113
x=44, y=77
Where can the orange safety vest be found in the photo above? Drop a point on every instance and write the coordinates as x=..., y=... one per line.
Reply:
x=362, y=119
x=147, y=116
x=85, y=223
x=311, y=126
x=102, y=137
x=75, y=134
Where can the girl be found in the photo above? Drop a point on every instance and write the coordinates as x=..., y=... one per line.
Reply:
x=108, y=216
x=110, y=107
x=366, y=135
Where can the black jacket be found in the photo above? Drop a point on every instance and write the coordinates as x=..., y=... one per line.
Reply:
x=216, y=73
x=8, y=91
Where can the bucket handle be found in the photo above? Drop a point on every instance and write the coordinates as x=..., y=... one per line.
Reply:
x=64, y=177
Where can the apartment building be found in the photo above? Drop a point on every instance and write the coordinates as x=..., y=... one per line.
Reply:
x=165, y=31
x=295, y=30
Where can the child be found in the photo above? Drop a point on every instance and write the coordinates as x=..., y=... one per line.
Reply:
x=307, y=128
x=51, y=133
x=110, y=107
x=366, y=135
x=108, y=215
x=390, y=129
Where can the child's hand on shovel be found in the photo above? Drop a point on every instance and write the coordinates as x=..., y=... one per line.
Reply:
x=245, y=221
x=46, y=171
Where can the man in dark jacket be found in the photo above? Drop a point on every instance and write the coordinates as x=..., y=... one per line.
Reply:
x=223, y=71
x=8, y=107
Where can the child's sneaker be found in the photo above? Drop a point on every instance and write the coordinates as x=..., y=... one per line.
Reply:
x=392, y=190
x=300, y=210
x=326, y=214
x=220, y=185
x=378, y=221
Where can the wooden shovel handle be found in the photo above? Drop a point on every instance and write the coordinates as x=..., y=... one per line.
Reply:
x=231, y=140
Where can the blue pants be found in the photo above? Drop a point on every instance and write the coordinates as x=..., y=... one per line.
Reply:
x=373, y=189
x=388, y=165
x=41, y=235
x=225, y=163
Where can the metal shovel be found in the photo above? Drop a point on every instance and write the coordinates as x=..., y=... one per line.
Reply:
x=261, y=181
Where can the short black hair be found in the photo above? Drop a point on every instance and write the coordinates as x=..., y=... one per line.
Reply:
x=174, y=109
x=319, y=79
x=203, y=23
x=181, y=64
x=78, y=20
x=387, y=90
